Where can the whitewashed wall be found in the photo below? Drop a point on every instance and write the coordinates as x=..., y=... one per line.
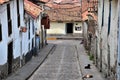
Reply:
x=110, y=39
x=60, y=28
x=38, y=25
x=17, y=38
x=85, y=28
x=23, y=35
x=57, y=28
x=98, y=32
x=113, y=32
x=16, y=35
x=118, y=55
x=3, y=43
x=104, y=37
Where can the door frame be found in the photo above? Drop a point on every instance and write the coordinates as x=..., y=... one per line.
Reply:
x=67, y=28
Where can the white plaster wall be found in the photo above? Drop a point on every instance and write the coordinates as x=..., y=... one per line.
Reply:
x=104, y=33
x=112, y=38
x=113, y=32
x=16, y=36
x=57, y=28
x=85, y=27
x=38, y=24
x=60, y=28
x=25, y=37
x=20, y=39
x=15, y=30
x=22, y=35
x=5, y=37
x=118, y=53
x=38, y=27
x=25, y=40
x=31, y=36
x=3, y=43
x=100, y=6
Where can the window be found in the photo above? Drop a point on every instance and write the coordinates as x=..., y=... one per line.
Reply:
x=9, y=27
x=103, y=14
x=33, y=30
x=8, y=11
x=0, y=31
x=78, y=28
x=9, y=20
x=18, y=13
x=33, y=43
x=18, y=20
x=29, y=29
x=29, y=47
x=109, y=18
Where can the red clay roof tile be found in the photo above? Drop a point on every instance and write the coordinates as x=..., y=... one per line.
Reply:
x=65, y=14
x=32, y=9
x=85, y=6
x=64, y=10
x=3, y=1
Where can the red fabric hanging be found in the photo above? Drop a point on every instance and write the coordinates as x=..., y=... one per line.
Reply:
x=46, y=22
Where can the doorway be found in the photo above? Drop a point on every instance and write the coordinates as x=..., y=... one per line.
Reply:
x=10, y=57
x=69, y=27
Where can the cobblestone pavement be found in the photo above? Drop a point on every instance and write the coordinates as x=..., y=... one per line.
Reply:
x=62, y=64
x=67, y=62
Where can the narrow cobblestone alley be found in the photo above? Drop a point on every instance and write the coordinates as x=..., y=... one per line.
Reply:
x=59, y=39
x=63, y=63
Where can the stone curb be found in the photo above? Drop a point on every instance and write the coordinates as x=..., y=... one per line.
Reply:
x=29, y=68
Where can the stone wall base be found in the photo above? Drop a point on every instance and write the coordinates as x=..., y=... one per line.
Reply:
x=16, y=63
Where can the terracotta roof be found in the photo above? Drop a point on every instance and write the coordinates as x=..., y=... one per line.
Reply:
x=64, y=10
x=90, y=5
x=72, y=14
x=32, y=9
x=71, y=5
x=84, y=6
x=66, y=1
x=3, y=1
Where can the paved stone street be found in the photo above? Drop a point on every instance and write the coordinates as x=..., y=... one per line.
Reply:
x=66, y=62
x=62, y=64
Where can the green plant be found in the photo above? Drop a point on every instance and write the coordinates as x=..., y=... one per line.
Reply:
x=91, y=56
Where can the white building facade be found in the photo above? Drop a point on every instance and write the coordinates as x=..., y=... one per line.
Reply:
x=64, y=28
x=11, y=39
x=107, y=34
x=118, y=55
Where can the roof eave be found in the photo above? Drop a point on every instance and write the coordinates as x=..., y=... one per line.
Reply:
x=4, y=2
